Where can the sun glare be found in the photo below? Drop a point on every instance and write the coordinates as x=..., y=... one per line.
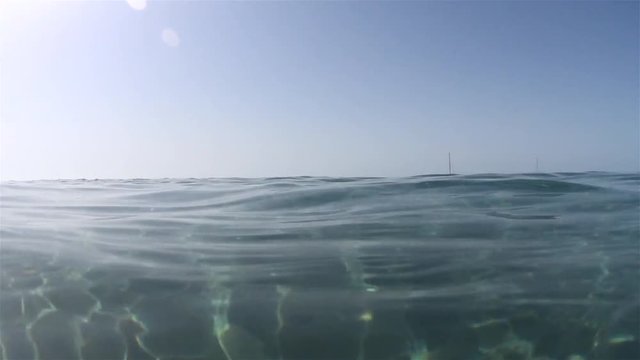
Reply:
x=170, y=37
x=137, y=4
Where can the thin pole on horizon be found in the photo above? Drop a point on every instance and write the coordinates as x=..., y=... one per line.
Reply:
x=449, y=163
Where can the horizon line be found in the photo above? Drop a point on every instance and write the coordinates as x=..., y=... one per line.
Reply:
x=533, y=173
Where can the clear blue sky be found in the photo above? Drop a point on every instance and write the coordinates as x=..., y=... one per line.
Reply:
x=205, y=89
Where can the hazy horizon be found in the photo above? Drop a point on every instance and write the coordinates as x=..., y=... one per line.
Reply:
x=444, y=174
x=121, y=90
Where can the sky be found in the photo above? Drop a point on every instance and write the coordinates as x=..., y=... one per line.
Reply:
x=149, y=89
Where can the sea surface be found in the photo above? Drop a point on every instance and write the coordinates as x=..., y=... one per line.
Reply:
x=529, y=266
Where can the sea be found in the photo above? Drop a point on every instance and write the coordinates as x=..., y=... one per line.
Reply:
x=491, y=266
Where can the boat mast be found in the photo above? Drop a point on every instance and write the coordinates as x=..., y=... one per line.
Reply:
x=449, y=163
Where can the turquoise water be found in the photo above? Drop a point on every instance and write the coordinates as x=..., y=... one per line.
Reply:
x=531, y=266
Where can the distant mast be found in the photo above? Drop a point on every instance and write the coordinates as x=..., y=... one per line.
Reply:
x=449, y=163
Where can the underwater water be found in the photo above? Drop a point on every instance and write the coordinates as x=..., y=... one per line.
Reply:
x=530, y=266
